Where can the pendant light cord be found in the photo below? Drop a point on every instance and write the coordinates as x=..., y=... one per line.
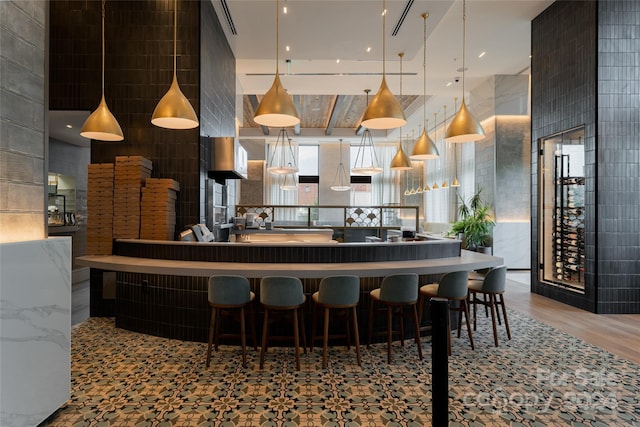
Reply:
x=175, y=36
x=464, y=40
x=384, y=48
x=277, y=35
x=102, y=88
x=424, y=73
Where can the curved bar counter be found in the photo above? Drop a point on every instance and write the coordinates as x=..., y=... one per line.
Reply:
x=161, y=286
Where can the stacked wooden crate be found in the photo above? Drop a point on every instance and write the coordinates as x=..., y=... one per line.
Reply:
x=158, y=219
x=130, y=174
x=100, y=209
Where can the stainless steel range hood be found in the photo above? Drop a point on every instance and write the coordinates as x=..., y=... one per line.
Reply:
x=228, y=159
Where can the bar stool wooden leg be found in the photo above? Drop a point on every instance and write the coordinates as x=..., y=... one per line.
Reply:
x=347, y=321
x=243, y=338
x=504, y=313
x=211, y=329
x=389, y=331
x=265, y=331
x=325, y=338
x=493, y=318
x=416, y=325
x=466, y=316
x=217, y=332
x=355, y=333
x=401, y=326
x=296, y=338
x=252, y=322
x=314, y=325
x=370, y=323
x=302, y=329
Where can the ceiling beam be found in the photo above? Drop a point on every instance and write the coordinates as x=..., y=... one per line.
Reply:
x=254, y=104
x=359, y=130
x=337, y=105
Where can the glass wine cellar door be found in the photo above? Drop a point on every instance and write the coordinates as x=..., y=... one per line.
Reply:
x=562, y=210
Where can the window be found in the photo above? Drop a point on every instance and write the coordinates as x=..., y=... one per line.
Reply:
x=308, y=179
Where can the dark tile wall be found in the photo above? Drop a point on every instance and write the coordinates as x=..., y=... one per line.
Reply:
x=563, y=96
x=585, y=70
x=176, y=307
x=618, y=157
x=281, y=254
x=138, y=72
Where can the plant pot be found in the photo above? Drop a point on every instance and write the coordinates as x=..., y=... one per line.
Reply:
x=485, y=250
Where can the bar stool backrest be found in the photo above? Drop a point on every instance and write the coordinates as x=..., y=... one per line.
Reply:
x=284, y=291
x=399, y=288
x=336, y=290
x=232, y=290
x=454, y=285
x=495, y=280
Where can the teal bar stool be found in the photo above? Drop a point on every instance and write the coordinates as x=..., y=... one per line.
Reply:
x=492, y=288
x=454, y=287
x=282, y=294
x=396, y=292
x=230, y=293
x=338, y=293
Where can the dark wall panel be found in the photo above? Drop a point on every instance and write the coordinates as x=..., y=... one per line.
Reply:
x=586, y=71
x=618, y=157
x=138, y=72
x=563, y=96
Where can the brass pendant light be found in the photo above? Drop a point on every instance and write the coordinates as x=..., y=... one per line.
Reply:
x=384, y=112
x=464, y=127
x=341, y=180
x=424, y=148
x=276, y=109
x=101, y=124
x=401, y=161
x=174, y=111
x=283, y=159
x=366, y=162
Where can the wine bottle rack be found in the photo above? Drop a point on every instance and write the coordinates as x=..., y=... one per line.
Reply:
x=568, y=224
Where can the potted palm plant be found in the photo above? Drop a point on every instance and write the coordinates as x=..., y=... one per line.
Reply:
x=475, y=223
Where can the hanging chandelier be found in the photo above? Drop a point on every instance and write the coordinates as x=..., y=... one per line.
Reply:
x=464, y=127
x=424, y=148
x=366, y=162
x=276, y=109
x=341, y=180
x=282, y=160
x=289, y=182
x=101, y=124
x=384, y=112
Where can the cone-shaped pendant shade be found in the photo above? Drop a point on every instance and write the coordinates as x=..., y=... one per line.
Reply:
x=174, y=111
x=455, y=182
x=384, y=111
x=444, y=184
x=464, y=127
x=277, y=108
x=424, y=148
x=102, y=125
x=401, y=161
x=435, y=186
x=426, y=188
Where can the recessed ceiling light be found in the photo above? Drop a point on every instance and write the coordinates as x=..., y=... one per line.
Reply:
x=338, y=61
x=482, y=54
x=369, y=49
x=449, y=84
x=69, y=126
x=384, y=12
x=284, y=9
x=287, y=47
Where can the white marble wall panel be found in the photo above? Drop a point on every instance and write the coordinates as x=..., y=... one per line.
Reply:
x=35, y=329
x=511, y=241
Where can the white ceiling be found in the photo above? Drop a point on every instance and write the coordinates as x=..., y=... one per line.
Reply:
x=319, y=32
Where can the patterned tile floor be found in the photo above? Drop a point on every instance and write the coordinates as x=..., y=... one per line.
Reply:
x=541, y=377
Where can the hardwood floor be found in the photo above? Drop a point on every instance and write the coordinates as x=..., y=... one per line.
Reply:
x=616, y=333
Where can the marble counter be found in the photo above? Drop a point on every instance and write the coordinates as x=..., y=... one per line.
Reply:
x=35, y=330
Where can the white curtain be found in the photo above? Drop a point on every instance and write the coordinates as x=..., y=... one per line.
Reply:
x=386, y=186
